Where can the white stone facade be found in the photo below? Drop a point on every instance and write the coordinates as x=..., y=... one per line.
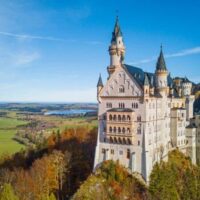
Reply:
x=142, y=116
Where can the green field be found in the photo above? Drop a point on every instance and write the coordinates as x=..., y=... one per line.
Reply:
x=8, y=128
x=11, y=119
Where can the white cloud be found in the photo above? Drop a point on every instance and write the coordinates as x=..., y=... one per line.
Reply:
x=35, y=37
x=25, y=58
x=25, y=36
x=185, y=52
x=195, y=50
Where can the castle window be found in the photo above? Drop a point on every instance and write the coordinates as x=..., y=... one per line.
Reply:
x=109, y=105
x=124, y=141
x=128, y=154
x=139, y=130
x=121, y=89
x=129, y=141
x=121, y=105
x=112, y=151
x=139, y=118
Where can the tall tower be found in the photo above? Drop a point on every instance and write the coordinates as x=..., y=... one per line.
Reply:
x=161, y=74
x=116, y=48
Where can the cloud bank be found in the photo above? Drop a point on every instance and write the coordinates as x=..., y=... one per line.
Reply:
x=185, y=52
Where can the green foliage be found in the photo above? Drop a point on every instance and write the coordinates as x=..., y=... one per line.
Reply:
x=112, y=182
x=7, y=193
x=175, y=179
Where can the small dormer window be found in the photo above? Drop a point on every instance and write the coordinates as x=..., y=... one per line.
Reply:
x=121, y=89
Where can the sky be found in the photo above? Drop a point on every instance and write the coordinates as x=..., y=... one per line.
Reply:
x=54, y=50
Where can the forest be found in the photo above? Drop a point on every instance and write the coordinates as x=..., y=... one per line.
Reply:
x=61, y=169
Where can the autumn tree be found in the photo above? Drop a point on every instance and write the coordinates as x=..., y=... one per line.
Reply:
x=7, y=193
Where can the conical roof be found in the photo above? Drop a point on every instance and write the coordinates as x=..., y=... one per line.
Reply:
x=161, y=62
x=100, y=82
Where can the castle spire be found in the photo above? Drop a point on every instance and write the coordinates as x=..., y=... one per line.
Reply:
x=117, y=31
x=100, y=82
x=146, y=80
x=161, y=61
x=116, y=48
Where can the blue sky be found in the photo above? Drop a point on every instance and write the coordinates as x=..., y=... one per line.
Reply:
x=54, y=50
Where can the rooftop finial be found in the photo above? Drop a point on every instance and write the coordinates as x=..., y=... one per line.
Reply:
x=161, y=46
x=117, y=14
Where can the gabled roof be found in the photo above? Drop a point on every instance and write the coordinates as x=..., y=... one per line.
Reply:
x=161, y=62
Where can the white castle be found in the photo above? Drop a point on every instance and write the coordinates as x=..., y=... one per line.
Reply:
x=142, y=116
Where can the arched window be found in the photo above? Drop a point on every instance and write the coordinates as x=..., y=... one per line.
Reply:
x=123, y=130
x=124, y=141
x=111, y=140
x=115, y=140
x=139, y=130
x=129, y=141
x=110, y=117
x=128, y=130
x=121, y=89
x=128, y=118
x=110, y=129
x=114, y=117
x=120, y=141
x=114, y=129
x=139, y=118
x=128, y=155
x=123, y=118
x=119, y=118
x=119, y=130
x=136, y=105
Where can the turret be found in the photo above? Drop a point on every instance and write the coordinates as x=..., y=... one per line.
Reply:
x=187, y=87
x=161, y=74
x=171, y=91
x=116, y=48
x=146, y=85
x=99, y=86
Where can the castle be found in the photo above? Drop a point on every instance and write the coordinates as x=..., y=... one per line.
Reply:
x=142, y=116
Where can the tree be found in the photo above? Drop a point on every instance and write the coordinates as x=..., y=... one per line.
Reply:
x=175, y=179
x=7, y=193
